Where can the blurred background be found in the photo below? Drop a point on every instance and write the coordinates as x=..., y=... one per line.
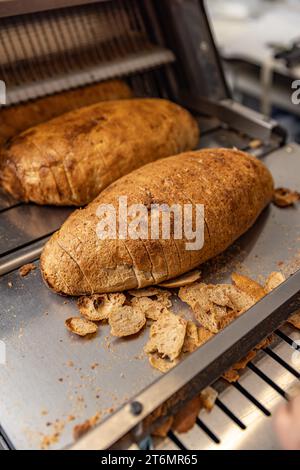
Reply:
x=259, y=42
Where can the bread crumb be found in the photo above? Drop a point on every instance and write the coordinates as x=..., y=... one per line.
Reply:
x=255, y=143
x=274, y=280
x=80, y=326
x=284, y=197
x=53, y=438
x=80, y=429
x=26, y=269
x=249, y=286
x=10, y=284
x=295, y=320
x=208, y=398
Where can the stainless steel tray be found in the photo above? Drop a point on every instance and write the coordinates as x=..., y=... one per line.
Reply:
x=51, y=376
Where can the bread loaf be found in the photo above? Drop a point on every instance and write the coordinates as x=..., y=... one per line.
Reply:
x=233, y=186
x=18, y=118
x=70, y=159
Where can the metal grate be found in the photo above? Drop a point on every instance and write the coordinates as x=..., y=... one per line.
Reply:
x=61, y=49
x=242, y=416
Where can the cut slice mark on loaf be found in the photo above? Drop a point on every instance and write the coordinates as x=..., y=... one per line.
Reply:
x=77, y=264
x=194, y=204
x=48, y=280
x=173, y=241
x=63, y=166
x=150, y=261
x=49, y=167
x=133, y=264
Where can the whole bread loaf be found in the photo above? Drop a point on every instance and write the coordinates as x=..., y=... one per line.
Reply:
x=18, y=118
x=233, y=186
x=70, y=159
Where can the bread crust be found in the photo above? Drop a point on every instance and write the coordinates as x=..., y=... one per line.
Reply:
x=18, y=118
x=76, y=262
x=72, y=158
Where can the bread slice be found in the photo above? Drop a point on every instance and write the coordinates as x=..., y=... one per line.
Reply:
x=81, y=326
x=126, y=321
x=274, y=280
x=167, y=336
x=249, y=286
x=215, y=306
x=98, y=306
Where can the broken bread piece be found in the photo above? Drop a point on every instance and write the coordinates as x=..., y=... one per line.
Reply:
x=97, y=307
x=126, y=321
x=26, y=269
x=208, y=398
x=167, y=336
x=146, y=292
x=295, y=319
x=232, y=375
x=274, y=280
x=195, y=337
x=183, y=280
x=185, y=419
x=80, y=326
x=249, y=286
x=153, y=309
x=215, y=306
x=284, y=197
x=162, y=364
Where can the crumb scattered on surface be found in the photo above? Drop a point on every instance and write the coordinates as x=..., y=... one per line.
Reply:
x=284, y=197
x=80, y=429
x=26, y=269
x=80, y=326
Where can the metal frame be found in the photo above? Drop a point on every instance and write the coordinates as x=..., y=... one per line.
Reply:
x=186, y=29
x=21, y=7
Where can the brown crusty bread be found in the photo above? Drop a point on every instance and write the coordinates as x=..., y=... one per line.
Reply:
x=72, y=158
x=233, y=186
x=18, y=118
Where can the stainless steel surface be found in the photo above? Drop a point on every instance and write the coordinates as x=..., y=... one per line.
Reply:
x=24, y=224
x=23, y=256
x=39, y=349
x=6, y=201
